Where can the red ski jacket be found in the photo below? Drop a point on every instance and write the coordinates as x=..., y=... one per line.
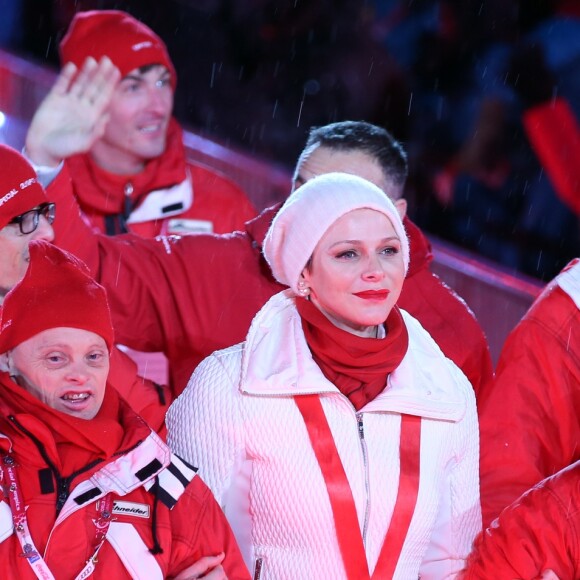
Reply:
x=538, y=532
x=530, y=417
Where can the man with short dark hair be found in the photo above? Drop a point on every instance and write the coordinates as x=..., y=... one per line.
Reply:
x=349, y=136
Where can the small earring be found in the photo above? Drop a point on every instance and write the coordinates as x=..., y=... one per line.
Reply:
x=303, y=289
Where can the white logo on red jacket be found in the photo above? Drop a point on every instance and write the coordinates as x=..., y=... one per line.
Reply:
x=129, y=508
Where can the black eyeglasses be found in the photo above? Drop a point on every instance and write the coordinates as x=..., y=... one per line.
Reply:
x=28, y=221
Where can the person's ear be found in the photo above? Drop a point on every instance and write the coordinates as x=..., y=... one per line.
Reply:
x=304, y=283
x=5, y=362
x=401, y=205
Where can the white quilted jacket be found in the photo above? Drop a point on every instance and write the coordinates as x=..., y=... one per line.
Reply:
x=238, y=422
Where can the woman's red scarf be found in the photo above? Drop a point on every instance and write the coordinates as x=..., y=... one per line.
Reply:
x=357, y=366
x=77, y=441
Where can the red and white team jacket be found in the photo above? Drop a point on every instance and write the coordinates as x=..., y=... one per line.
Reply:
x=170, y=196
x=164, y=518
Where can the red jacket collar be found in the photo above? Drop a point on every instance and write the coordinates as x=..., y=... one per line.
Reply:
x=421, y=254
x=104, y=192
x=258, y=227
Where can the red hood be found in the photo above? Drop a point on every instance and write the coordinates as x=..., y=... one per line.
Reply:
x=258, y=227
x=421, y=254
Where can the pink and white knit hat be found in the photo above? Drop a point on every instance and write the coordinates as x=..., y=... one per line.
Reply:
x=311, y=210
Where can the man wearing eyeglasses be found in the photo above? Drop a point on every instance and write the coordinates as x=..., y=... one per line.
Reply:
x=29, y=220
x=26, y=215
x=15, y=236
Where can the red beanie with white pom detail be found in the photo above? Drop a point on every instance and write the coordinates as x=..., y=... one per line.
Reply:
x=19, y=187
x=56, y=291
x=129, y=43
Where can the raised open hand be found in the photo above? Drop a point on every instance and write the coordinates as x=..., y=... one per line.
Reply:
x=74, y=113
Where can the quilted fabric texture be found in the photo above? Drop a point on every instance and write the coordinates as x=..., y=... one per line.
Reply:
x=238, y=421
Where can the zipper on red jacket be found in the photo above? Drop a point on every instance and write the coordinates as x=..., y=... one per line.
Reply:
x=363, y=444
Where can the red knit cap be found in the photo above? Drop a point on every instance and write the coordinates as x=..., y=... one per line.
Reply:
x=19, y=188
x=56, y=291
x=126, y=41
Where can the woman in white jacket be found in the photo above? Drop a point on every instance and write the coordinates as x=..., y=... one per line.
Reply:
x=339, y=440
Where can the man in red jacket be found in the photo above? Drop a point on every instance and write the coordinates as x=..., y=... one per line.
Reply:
x=134, y=176
x=190, y=296
x=27, y=215
x=530, y=417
